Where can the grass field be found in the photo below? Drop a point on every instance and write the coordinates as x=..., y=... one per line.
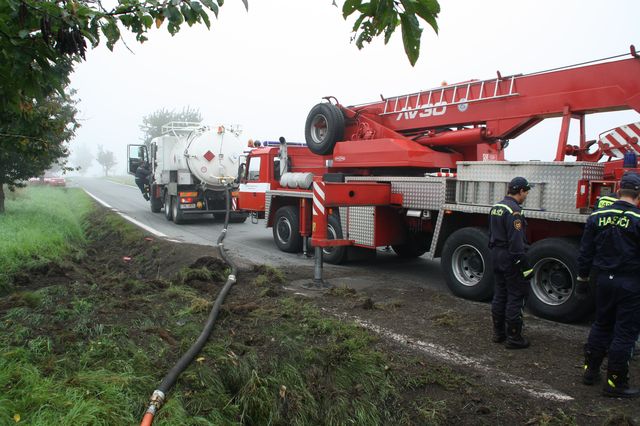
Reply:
x=40, y=224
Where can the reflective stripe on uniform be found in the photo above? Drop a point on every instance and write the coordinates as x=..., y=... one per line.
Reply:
x=504, y=206
x=632, y=213
x=606, y=211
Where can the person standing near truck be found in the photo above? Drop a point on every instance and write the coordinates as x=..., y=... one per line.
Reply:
x=142, y=178
x=508, y=244
x=611, y=245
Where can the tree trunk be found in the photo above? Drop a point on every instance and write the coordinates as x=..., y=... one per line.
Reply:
x=1, y=197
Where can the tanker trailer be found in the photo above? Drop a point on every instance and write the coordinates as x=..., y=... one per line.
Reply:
x=191, y=165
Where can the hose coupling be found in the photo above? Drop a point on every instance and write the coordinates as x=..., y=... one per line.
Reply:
x=232, y=277
x=156, y=401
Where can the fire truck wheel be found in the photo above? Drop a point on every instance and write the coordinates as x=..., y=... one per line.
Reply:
x=334, y=255
x=324, y=127
x=233, y=217
x=237, y=218
x=555, y=268
x=156, y=202
x=176, y=213
x=167, y=206
x=416, y=245
x=286, y=233
x=466, y=262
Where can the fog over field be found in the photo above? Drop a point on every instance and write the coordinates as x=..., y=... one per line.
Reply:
x=265, y=69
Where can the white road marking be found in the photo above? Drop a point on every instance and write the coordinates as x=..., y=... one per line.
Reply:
x=130, y=219
x=98, y=200
x=534, y=388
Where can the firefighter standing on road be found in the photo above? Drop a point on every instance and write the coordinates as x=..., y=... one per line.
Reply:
x=611, y=245
x=142, y=178
x=508, y=243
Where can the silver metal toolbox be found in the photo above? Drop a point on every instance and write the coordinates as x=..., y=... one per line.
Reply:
x=484, y=183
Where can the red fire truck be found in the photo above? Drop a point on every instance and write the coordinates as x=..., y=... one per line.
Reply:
x=419, y=173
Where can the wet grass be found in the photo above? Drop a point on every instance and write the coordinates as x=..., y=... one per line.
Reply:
x=38, y=227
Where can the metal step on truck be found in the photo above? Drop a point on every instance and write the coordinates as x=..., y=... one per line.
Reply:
x=420, y=172
x=190, y=164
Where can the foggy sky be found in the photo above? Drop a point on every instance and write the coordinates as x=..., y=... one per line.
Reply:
x=265, y=69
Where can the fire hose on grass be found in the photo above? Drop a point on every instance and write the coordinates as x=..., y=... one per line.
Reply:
x=159, y=395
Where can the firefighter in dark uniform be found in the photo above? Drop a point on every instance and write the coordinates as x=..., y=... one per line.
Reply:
x=508, y=243
x=142, y=178
x=611, y=246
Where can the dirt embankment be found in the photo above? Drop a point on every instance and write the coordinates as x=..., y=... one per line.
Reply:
x=284, y=353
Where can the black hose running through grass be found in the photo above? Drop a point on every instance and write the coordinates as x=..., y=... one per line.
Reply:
x=159, y=395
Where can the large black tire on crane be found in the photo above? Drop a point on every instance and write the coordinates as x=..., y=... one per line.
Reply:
x=555, y=269
x=467, y=265
x=286, y=229
x=337, y=254
x=415, y=245
x=324, y=127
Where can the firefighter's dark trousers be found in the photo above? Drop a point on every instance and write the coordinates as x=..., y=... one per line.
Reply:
x=617, y=323
x=510, y=290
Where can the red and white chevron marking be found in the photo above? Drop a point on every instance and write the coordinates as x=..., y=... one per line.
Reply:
x=234, y=203
x=318, y=198
x=620, y=140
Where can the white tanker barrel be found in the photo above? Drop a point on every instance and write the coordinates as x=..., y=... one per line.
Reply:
x=213, y=156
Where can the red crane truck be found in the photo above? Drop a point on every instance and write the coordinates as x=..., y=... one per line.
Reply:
x=420, y=172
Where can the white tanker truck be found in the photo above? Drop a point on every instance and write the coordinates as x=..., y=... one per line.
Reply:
x=191, y=164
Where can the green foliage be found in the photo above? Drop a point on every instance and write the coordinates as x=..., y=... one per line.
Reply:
x=152, y=124
x=41, y=40
x=39, y=227
x=106, y=159
x=378, y=17
x=36, y=139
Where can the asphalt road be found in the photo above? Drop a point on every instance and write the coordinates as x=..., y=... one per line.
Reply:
x=252, y=243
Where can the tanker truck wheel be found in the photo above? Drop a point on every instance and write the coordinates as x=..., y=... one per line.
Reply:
x=286, y=229
x=466, y=263
x=176, y=213
x=155, y=202
x=167, y=206
x=555, y=269
x=324, y=127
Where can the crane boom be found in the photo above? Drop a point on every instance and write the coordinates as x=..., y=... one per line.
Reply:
x=473, y=119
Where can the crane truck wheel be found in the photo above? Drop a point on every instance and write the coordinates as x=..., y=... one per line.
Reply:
x=156, y=202
x=333, y=255
x=466, y=262
x=167, y=206
x=415, y=246
x=286, y=229
x=324, y=127
x=555, y=269
x=176, y=213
